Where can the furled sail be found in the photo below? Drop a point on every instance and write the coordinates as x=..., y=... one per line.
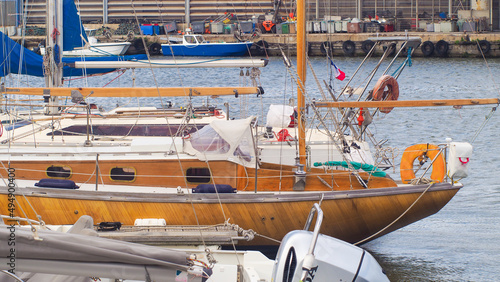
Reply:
x=73, y=32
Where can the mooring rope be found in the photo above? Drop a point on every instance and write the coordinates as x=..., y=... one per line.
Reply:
x=398, y=218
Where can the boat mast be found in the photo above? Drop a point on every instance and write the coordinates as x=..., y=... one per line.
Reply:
x=301, y=71
x=54, y=48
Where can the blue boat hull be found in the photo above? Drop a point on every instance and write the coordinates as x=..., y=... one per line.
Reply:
x=207, y=49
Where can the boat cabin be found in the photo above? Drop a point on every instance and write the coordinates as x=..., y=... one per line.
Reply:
x=193, y=39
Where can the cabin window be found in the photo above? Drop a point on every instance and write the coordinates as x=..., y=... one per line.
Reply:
x=128, y=130
x=198, y=175
x=190, y=39
x=122, y=174
x=207, y=140
x=58, y=171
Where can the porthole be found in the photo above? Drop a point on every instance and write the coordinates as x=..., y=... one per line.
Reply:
x=58, y=171
x=122, y=174
x=198, y=175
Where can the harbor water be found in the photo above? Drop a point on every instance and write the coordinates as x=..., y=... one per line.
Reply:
x=459, y=243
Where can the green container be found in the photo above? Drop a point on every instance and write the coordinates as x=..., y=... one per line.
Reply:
x=284, y=28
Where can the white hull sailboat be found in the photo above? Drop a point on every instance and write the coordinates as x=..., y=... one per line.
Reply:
x=97, y=50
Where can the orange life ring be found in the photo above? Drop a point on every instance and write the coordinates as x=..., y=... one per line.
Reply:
x=380, y=94
x=419, y=151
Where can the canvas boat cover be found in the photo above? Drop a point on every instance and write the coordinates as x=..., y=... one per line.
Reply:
x=76, y=254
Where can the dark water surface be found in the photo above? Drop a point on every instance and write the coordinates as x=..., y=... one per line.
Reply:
x=462, y=241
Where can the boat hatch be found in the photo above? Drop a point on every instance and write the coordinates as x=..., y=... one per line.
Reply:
x=122, y=174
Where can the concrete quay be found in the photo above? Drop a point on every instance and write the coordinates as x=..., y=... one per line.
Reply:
x=456, y=44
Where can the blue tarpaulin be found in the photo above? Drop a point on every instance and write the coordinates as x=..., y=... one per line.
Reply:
x=14, y=58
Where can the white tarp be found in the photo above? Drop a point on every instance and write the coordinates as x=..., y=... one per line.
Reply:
x=279, y=115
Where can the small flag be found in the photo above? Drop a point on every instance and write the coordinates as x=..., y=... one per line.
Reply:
x=340, y=75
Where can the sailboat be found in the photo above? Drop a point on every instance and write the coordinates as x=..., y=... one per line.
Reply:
x=139, y=163
x=78, y=41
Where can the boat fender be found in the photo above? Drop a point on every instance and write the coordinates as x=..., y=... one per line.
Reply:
x=155, y=49
x=442, y=48
x=427, y=48
x=261, y=46
x=138, y=44
x=326, y=48
x=458, y=160
x=349, y=47
x=484, y=46
x=56, y=183
x=392, y=49
x=380, y=94
x=213, y=188
x=360, y=117
x=367, y=45
x=421, y=151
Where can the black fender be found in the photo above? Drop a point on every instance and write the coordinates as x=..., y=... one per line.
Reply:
x=393, y=49
x=326, y=48
x=155, y=49
x=442, y=48
x=261, y=47
x=349, y=47
x=367, y=45
x=427, y=48
x=484, y=46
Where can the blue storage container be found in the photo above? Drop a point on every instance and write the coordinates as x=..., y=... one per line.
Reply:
x=156, y=29
x=147, y=29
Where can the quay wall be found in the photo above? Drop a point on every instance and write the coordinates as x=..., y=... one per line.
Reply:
x=459, y=44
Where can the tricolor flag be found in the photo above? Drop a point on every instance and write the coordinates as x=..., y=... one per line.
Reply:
x=340, y=75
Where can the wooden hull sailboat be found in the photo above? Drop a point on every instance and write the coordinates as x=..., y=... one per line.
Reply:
x=177, y=179
x=138, y=164
x=352, y=216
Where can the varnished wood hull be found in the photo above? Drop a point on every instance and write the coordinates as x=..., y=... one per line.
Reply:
x=348, y=215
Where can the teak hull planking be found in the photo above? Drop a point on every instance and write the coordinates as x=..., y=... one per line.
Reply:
x=352, y=215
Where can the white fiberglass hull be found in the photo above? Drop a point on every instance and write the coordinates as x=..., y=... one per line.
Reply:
x=97, y=50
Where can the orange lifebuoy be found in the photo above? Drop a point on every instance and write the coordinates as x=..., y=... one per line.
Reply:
x=380, y=94
x=419, y=151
